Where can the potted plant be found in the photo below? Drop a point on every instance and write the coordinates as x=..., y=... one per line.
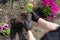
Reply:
x=47, y=9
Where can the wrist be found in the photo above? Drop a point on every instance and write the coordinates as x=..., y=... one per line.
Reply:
x=30, y=35
x=38, y=20
x=29, y=30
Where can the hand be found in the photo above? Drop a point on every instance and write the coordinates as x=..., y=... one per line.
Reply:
x=28, y=22
x=35, y=17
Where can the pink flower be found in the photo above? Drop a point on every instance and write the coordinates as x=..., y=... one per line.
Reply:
x=5, y=25
x=1, y=28
x=45, y=2
x=51, y=16
x=54, y=8
x=51, y=3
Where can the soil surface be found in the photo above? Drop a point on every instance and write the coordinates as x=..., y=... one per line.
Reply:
x=16, y=20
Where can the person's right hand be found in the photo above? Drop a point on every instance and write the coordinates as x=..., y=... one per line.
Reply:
x=35, y=17
x=35, y=14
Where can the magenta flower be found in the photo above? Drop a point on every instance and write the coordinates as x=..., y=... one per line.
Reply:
x=5, y=25
x=54, y=8
x=43, y=3
x=1, y=28
x=51, y=3
x=47, y=2
x=51, y=16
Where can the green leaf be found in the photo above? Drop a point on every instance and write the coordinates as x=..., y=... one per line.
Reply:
x=29, y=9
x=45, y=10
x=8, y=31
x=1, y=23
x=3, y=32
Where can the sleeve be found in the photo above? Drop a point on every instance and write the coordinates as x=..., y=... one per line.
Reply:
x=52, y=35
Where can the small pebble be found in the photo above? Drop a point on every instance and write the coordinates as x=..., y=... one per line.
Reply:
x=0, y=9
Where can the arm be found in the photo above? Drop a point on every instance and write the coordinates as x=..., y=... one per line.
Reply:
x=44, y=23
x=30, y=35
x=28, y=27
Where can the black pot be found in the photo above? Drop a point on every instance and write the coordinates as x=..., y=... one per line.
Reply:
x=39, y=12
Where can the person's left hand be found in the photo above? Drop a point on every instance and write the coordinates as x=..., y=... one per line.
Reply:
x=28, y=23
